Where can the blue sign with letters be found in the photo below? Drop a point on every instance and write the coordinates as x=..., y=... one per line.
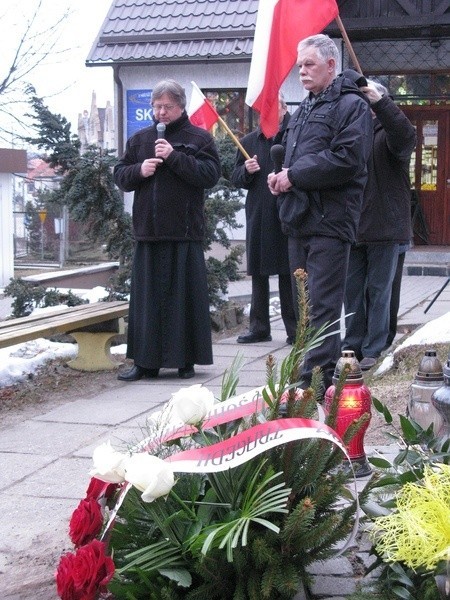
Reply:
x=139, y=110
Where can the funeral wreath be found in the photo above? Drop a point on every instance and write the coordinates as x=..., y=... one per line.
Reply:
x=225, y=498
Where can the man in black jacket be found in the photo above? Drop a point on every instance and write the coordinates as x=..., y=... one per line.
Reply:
x=266, y=244
x=328, y=142
x=169, y=323
x=385, y=223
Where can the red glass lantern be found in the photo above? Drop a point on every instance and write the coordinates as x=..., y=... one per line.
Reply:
x=355, y=401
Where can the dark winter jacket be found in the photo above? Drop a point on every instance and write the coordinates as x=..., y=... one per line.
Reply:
x=386, y=214
x=169, y=205
x=327, y=158
x=266, y=244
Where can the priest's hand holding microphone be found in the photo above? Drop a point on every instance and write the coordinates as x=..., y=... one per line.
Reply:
x=162, y=151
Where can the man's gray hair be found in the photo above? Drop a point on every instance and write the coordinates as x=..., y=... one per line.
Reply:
x=324, y=45
x=173, y=89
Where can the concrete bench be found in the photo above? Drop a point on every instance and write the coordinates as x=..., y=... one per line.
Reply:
x=92, y=325
x=85, y=277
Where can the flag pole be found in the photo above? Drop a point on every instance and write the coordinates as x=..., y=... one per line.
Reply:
x=348, y=44
x=234, y=138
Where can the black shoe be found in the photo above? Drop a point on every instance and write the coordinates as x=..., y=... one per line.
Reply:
x=187, y=372
x=253, y=338
x=151, y=373
x=136, y=373
x=290, y=340
x=367, y=363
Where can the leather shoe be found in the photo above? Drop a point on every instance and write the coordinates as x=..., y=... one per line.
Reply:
x=253, y=338
x=290, y=340
x=136, y=373
x=367, y=363
x=187, y=372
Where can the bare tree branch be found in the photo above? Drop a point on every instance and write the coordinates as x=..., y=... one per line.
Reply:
x=37, y=44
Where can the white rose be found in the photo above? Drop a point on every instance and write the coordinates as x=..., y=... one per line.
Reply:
x=150, y=475
x=193, y=403
x=108, y=464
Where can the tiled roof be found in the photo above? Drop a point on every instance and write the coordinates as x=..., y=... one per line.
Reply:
x=167, y=30
x=39, y=169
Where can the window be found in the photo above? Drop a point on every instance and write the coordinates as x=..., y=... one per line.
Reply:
x=230, y=104
x=417, y=89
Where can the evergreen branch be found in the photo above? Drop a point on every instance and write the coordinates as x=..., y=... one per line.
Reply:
x=230, y=377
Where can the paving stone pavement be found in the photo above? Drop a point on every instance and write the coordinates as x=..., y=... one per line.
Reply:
x=46, y=458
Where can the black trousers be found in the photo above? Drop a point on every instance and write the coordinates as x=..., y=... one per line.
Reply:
x=395, y=299
x=259, y=308
x=325, y=260
x=370, y=274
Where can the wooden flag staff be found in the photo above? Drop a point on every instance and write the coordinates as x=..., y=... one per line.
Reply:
x=348, y=44
x=234, y=138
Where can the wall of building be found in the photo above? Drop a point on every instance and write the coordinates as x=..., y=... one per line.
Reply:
x=6, y=229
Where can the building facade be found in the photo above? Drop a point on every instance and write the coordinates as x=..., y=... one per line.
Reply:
x=96, y=127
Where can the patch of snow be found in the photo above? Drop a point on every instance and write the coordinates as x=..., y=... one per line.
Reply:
x=20, y=361
x=433, y=332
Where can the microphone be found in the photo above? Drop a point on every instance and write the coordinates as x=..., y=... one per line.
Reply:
x=277, y=155
x=161, y=129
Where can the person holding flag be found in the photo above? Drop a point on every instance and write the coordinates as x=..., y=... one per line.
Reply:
x=168, y=166
x=328, y=143
x=266, y=244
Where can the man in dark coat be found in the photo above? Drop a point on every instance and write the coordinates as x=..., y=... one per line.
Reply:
x=266, y=244
x=385, y=223
x=169, y=322
x=328, y=142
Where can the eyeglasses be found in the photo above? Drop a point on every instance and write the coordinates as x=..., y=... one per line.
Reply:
x=166, y=107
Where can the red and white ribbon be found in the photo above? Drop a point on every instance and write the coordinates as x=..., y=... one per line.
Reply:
x=248, y=444
x=241, y=447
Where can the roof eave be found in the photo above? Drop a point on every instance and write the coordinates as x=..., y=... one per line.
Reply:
x=171, y=60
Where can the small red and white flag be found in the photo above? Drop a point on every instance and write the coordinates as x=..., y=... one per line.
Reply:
x=200, y=111
x=280, y=26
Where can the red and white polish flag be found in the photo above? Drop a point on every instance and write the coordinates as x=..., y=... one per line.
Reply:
x=280, y=26
x=200, y=110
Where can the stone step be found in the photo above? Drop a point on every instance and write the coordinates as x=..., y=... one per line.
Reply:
x=428, y=260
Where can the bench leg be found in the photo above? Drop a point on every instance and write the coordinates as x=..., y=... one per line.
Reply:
x=93, y=352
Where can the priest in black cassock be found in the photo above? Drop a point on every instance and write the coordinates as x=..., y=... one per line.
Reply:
x=168, y=166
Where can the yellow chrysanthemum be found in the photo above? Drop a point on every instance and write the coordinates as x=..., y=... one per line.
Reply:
x=418, y=532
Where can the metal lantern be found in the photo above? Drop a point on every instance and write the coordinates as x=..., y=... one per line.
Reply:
x=355, y=400
x=441, y=402
x=428, y=379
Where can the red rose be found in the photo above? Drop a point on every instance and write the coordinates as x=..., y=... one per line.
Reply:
x=86, y=522
x=92, y=570
x=64, y=578
x=97, y=488
x=85, y=574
